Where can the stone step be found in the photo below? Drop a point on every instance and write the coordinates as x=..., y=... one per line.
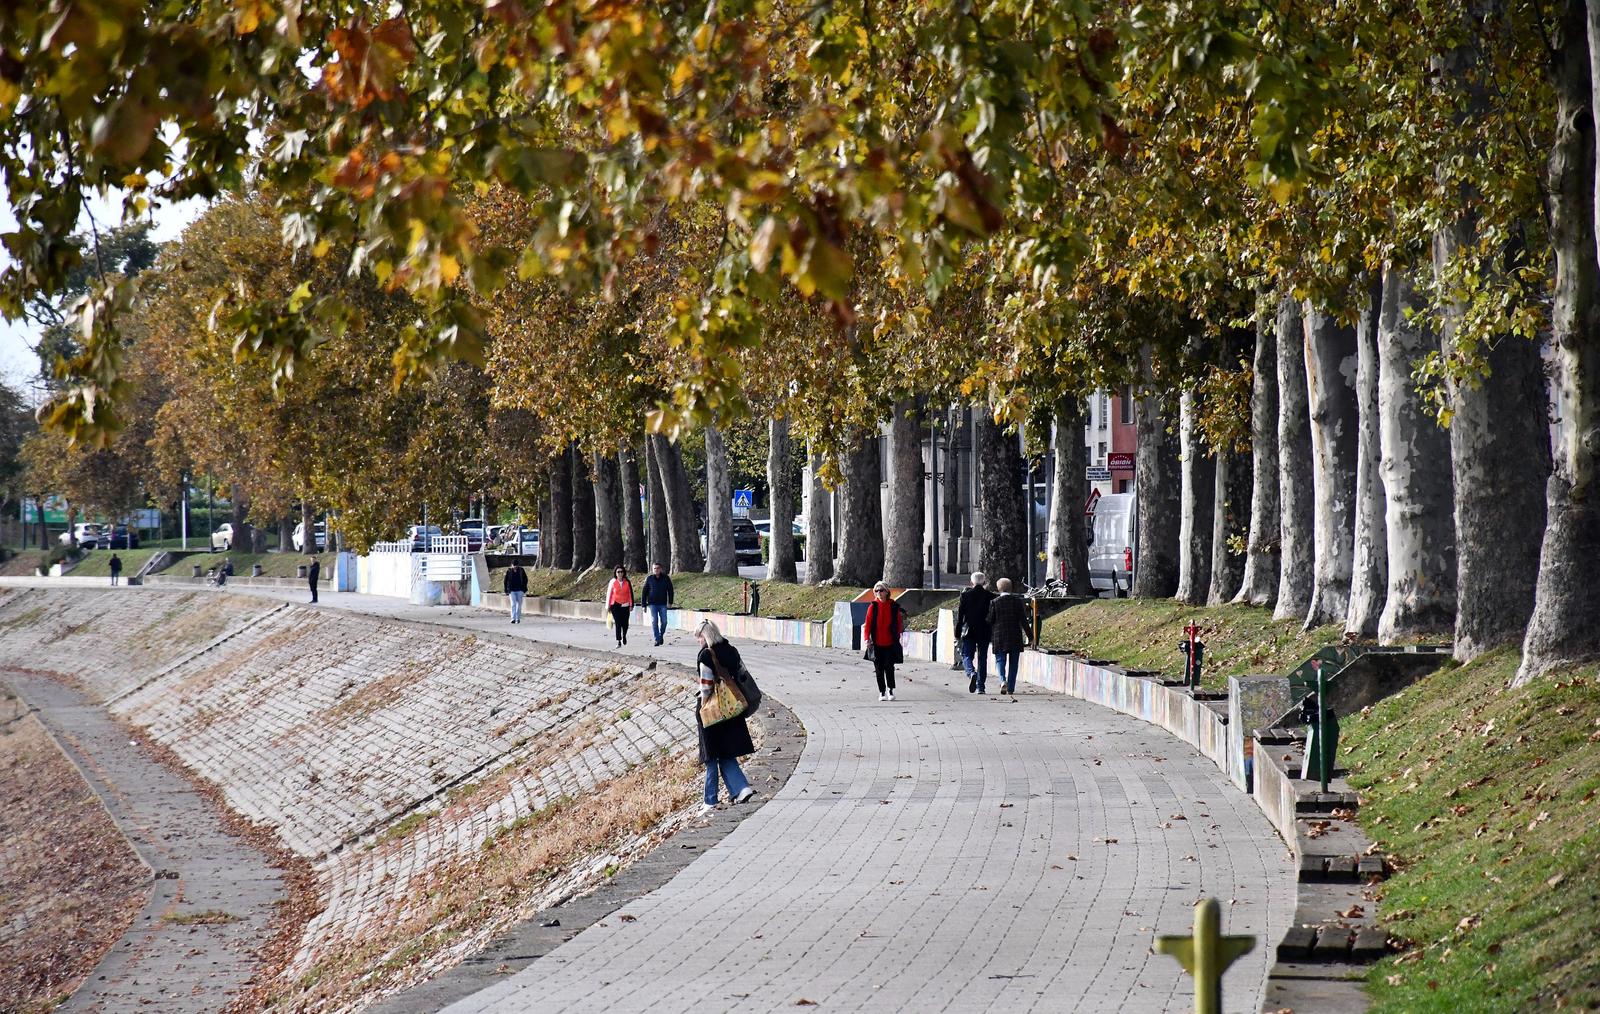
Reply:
x=1334, y=943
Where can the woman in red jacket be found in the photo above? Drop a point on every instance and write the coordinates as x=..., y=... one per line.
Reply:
x=619, y=599
x=886, y=621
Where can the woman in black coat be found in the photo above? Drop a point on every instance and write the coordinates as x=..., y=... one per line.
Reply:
x=723, y=744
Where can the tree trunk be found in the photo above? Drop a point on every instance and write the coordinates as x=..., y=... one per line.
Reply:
x=1002, y=536
x=1330, y=352
x=1370, y=567
x=1416, y=477
x=1295, y=558
x=555, y=540
x=1196, y=507
x=583, y=505
x=1563, y=627
x=542, y=519
x=780, y=491
x=1155, y=567
x=1068, y=545
x=819, y=523
x=244, y=534
x=720, y=556
x=607, y=512
x=683, y=519
x=903, y=534
x=1229, y=526
x=1259, y=586
x=660, y=550
x=860, y=559
x=635, y=552
x=286, y=535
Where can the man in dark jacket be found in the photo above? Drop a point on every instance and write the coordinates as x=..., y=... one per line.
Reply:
x=972, y=632
x=116, y=568
x=516, y=589
x=657, y=598
x=1008, y=633
x=313, y=574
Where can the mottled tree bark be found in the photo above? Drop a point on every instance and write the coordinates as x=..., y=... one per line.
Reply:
x=607, y=512
x=1416, y=477
x=1330, y=352
x=903, y=530
x=780, y=487
x=1068, y=553
x=1002, y=538
x=1369, y=571
x=683, y=518
x=1259, y=586
x=583, y=527
x=660, y=550
x=558, y=533
x=635, y=552
x=1295, y=558
x=720, y=556
x=1229, y=525
x=819, y=524
x=1197, y=483
x=860, y=559
x=1155, y=567
x=1563, y=628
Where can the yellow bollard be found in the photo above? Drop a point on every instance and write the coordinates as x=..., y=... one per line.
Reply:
x=1206, y=954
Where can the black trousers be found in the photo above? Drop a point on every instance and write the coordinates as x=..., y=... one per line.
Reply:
x=313, y=591
x=885, y=673
x=619, y=616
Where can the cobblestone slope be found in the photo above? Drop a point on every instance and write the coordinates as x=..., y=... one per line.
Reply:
x=402, y=761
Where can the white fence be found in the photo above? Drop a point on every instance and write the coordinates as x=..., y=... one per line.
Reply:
x=385, y=572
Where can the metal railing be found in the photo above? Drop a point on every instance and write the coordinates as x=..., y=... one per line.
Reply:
x=403, y=546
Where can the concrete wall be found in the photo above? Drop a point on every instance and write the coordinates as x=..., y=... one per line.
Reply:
x=385, y=574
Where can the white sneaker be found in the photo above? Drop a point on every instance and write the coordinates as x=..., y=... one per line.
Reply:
x=883, y=697
x=707, y=809
x=891, y=695
x=744, y=797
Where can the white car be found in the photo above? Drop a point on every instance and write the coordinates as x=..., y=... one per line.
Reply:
x=222, y=538
x=320, y=532
x=87, y=534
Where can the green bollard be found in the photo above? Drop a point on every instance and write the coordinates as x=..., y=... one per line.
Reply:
x=1206, y=954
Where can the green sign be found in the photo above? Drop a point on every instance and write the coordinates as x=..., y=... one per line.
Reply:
x=55, y=511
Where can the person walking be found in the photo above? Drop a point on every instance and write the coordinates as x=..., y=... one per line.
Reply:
x=722, y=744
x=1008, y=633
x=885, y=622
x=516, y=589
x=972, y=632
x=313, y=574
x=619, y=599
x=116, y=569
x=657, y=595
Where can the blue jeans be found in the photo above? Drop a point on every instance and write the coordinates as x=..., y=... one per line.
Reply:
x=516, y=606
x=975, y=651
x=732, y=776
x=1006, y=664
x=658, y=621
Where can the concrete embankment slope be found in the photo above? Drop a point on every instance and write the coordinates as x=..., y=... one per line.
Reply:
x=434, y=785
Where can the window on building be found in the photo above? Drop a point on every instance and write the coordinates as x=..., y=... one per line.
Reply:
x=1127, y=406
x=1100, y=458
x=1105, y=410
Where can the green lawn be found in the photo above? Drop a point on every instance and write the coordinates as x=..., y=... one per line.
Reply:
x=1487, y=798
x=692, y=591
x=272, y=564
x=1144, y=633
x=97, y=563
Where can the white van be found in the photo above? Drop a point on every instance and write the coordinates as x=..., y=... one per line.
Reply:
x=1112, y=546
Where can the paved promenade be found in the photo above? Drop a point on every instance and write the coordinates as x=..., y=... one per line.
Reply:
x=943, y=852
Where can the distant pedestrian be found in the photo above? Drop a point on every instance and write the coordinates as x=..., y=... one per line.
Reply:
x=885, y=622
x=657, y=596
x=1008, y=633
x=116, y=569
x=516, y=589
x=972, y=632
x=755, y=599
x=724, y=743
x=313, y=572
x=619, y=599
x=223, y=570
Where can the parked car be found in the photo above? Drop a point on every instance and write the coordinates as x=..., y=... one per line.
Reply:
x=764, y=528
x=473, y=529
x=319, y=535
x=528, y=542
x=222, y=538
x=746, y=542
x=1113, y=551
x=119, y=537
x=88, y=535
x=422, y=536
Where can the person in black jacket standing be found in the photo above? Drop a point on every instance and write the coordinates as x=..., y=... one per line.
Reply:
x=1008, y=633
x=314, y=572
x=972, y=632
x=657, y=597
x=516, y=589
x=724, y=743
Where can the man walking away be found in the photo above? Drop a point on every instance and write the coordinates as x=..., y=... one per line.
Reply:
x=116, y=569
x=313, y=572
x=972, y=631
x=658, y=598
x=516, y=588
x=1008, y=632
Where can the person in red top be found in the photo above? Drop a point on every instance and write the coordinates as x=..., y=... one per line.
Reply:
x=619, y=599
x=886, y=621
